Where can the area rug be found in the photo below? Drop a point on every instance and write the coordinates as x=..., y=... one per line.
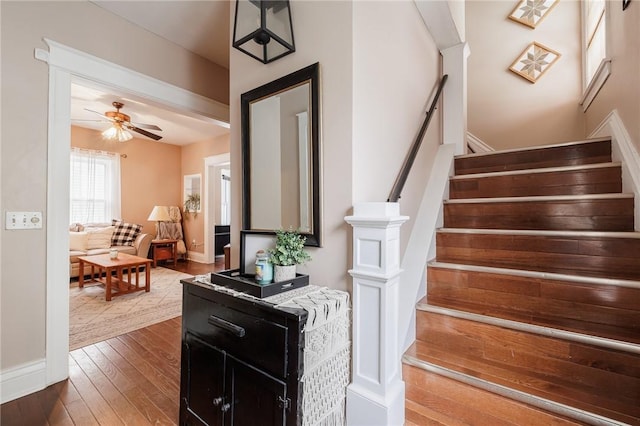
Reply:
x=92, y=319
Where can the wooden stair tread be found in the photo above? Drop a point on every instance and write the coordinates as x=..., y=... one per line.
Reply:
x=600, y=212
x=534, y=296
x=432, y=399
x=569, y=154
x=609, y=255
x=531, y=382
x=601, y=307
x=620, y=333
x=575, y=180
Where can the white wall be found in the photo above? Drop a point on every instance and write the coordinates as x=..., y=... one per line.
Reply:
x=504, y=109
x=622, y=89
x=322, y=31
x=396, y=66
x=378, y=67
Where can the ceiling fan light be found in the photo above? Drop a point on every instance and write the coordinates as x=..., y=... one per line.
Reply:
x=124, y=135
x=116, y=132
x=110, y=134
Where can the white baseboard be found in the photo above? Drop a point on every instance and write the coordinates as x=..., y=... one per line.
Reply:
x=195, y=256
x=22, y=380
x=623, y=150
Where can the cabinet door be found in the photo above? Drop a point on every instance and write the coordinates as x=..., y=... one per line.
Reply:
x=202, y=400
x=257, y=398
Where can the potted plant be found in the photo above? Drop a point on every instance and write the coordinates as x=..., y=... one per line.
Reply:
x=288, y=252
x=192, y=204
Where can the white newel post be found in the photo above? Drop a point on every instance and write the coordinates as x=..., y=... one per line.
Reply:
x=376, y=393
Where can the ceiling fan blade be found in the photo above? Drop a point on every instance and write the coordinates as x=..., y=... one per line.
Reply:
x=142, y=132
x=147, y=126
x=99, y=113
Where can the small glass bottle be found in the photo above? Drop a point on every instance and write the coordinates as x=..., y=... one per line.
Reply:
x=264, y=268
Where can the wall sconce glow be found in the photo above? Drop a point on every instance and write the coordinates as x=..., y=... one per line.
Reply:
x=116, y=132
x=263, y=29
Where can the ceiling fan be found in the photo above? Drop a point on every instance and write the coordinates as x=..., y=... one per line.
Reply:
x=121, y=123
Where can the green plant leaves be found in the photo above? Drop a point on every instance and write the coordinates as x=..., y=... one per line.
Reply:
x=289, y=249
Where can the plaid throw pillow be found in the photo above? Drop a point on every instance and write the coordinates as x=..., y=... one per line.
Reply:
x=125, y=233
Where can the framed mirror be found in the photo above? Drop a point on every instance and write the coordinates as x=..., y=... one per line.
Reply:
x=281, y=155
x=192, y=193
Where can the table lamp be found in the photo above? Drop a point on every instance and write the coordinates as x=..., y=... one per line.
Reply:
x=159, y=214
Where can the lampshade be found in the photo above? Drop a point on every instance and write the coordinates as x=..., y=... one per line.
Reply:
x=116, y=132
x=159, y=214
x=263, y=29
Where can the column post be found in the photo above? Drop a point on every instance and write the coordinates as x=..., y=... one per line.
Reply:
x=454, y=103
x=376, y=393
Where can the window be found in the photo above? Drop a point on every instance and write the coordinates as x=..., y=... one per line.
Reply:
x=225, y=197
x=596, y=66
x=95, y=186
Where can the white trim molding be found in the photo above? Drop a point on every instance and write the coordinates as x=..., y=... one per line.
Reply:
x=421, y=245
x=67, y=65
x=477, y=144
x=22, y=380
x=600, y=77
x=212, y=161
x=623, y=150
x=454, y=96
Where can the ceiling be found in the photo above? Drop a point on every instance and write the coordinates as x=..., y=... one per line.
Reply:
x=206, y=34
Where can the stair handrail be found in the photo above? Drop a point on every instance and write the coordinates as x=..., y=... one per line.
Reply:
x=396, y=190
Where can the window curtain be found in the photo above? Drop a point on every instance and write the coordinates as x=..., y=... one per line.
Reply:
x=95, y=186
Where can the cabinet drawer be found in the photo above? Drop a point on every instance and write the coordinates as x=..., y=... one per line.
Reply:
x=250, y=338
x=163, y=253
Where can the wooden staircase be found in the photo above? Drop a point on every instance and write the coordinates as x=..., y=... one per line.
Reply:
x=532, y=314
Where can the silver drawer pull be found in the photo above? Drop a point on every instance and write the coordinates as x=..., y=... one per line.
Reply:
x=226, y=325
x=286, y=286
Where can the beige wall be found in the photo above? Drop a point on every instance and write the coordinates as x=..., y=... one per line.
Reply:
x=504, y=109
x=149, y=175
x=371, y=111
x=23, y=158
x=193, y=163
x=622, y=89
x=391, y=97
x=323, y=34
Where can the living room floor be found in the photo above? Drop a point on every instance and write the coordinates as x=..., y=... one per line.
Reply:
x=133, y=378
x=195, y=268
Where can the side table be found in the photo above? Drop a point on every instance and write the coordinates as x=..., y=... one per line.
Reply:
x=164, y=250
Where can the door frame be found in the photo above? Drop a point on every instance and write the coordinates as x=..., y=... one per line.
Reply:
x=210, y=164
x=67, y=65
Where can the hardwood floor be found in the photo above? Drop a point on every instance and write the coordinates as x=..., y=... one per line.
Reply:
x=195, y=268
x=132, y=379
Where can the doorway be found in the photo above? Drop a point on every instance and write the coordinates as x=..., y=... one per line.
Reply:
x=67, y=65
x=214, y=200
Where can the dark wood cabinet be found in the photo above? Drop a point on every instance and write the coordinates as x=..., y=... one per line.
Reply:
x=241, y=360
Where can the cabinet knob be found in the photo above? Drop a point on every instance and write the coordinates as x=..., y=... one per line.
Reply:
x=217, y=401
x=225, y=407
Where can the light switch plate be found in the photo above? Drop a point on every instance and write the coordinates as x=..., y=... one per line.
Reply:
x=23, y=220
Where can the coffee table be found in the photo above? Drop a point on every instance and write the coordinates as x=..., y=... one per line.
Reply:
x=116, y=285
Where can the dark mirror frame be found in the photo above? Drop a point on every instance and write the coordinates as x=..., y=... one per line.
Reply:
x=310, y=73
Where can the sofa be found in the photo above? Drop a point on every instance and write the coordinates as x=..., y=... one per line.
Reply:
x=87, y=240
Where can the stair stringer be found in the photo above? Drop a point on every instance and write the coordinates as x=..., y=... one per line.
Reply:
x=624, y=151
x=417, y=254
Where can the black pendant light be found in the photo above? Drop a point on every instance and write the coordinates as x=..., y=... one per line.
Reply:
x=263, y=30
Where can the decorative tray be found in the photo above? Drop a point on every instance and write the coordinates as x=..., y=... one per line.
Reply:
x=232, y=278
